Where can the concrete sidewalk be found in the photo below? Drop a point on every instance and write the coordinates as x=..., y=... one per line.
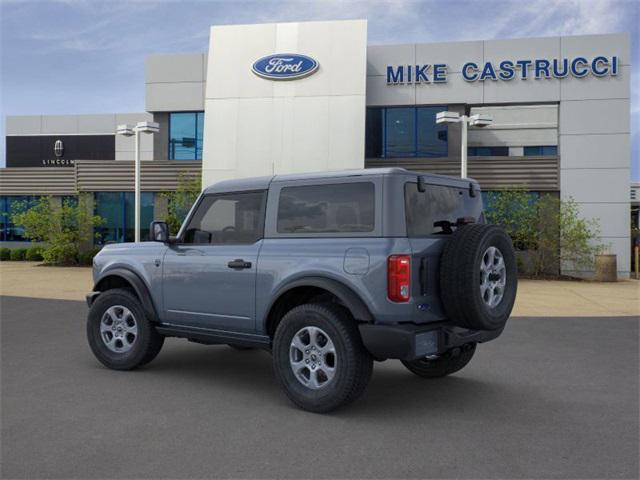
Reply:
x=536, y=298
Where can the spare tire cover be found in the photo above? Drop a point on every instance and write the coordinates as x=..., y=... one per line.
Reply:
x=478, y=277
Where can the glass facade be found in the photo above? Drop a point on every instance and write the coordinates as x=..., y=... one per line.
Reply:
x=10, y=232
x=185, y=135
x=400, y=132
x=541, y=151
x=116, y=208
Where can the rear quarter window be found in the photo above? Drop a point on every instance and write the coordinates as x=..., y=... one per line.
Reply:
x=438, y=203
x=332, y=208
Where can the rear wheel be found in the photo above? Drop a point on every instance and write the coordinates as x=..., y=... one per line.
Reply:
x=119, y=333
x=319, y=358
x=451, y=362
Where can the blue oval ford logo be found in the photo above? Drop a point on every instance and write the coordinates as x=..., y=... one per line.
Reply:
x=284, y=66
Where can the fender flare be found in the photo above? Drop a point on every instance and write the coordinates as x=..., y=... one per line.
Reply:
x=347, y=296
x=141, y=289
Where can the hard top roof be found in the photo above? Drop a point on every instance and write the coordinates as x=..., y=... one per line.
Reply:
x=262, y=183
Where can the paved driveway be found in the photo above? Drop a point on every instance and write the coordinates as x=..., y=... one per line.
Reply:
x=552, y=398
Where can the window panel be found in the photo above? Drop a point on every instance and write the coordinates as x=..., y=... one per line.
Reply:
x=146, y=215
x=228, y=219
x=9, y=205
x=432, y=137
x=185, y=135
x=551, y=150
x=4, y=218
x=400, y=132
x=532, y=151
x=541, y=151
x=488, y=151
x=117, y=209
x=109, y=207
x=405, y=132
x=338, y=208
x=375, y=132
x=199, y=134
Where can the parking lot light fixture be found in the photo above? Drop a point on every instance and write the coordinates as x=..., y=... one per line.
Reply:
x=128, y=131
x=125, y=130
x=477, y=120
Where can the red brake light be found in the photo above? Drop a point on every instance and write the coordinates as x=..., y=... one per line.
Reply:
x=398, y=278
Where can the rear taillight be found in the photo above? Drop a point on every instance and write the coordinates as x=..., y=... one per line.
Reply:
x=398, y=278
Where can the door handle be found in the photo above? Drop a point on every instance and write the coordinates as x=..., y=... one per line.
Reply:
x=238, y=264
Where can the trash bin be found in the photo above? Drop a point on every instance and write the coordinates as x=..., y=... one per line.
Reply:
x=606, y=268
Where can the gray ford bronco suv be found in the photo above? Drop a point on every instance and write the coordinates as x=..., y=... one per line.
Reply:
x=327, y=271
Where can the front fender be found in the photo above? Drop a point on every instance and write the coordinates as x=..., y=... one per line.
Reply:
x=139, y=286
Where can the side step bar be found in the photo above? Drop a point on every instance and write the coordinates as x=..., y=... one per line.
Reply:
x=214, y=337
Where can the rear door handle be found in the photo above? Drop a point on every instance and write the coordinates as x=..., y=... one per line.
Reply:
x=238, y=264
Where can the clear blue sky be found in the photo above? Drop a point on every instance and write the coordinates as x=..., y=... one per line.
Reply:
x=84, y=56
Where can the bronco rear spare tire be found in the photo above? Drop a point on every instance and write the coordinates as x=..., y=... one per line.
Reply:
x=478, y=277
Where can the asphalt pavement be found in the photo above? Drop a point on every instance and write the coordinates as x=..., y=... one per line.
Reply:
x=551, y=398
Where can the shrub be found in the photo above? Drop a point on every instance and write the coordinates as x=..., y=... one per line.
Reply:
x=86, y=258
x=18, y=253
x=63, y=227
x=5, y=253
x=34, y=254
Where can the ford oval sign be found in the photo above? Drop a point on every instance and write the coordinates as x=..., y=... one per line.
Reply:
x=285, y=66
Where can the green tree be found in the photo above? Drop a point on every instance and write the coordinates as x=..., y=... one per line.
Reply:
x=515, y=211
x=549, y=229
x=63, y=227
x=180, y=201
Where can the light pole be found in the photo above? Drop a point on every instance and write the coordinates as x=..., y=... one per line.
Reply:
x=477, y=120
x=128, y=131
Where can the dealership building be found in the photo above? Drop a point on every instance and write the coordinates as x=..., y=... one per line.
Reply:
x=313, y=96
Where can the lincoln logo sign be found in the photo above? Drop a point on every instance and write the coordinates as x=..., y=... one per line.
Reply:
x=58, y=148
x=285, y=66
x=505, y=70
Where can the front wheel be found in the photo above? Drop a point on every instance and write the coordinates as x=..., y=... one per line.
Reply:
x=119, y=333
x=451, y=362
x=319, y=358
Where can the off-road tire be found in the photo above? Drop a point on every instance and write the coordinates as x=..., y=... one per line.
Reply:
x=148, y=342
x=451, y=362
x=353, y=363
x=460, y=277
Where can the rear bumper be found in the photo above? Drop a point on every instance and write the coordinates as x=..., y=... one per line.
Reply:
x=410, y=342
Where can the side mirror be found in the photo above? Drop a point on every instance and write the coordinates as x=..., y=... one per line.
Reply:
x=159, y=232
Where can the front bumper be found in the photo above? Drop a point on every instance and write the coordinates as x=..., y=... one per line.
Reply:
x=91, y=297
x=410, y=342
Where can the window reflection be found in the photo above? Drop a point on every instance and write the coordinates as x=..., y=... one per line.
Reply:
x=185, y=135
x=117, y=209
x=9, y=205
x=405, y=132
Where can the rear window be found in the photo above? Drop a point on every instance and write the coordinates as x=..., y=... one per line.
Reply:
x=335, y=208
x=424, y=209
